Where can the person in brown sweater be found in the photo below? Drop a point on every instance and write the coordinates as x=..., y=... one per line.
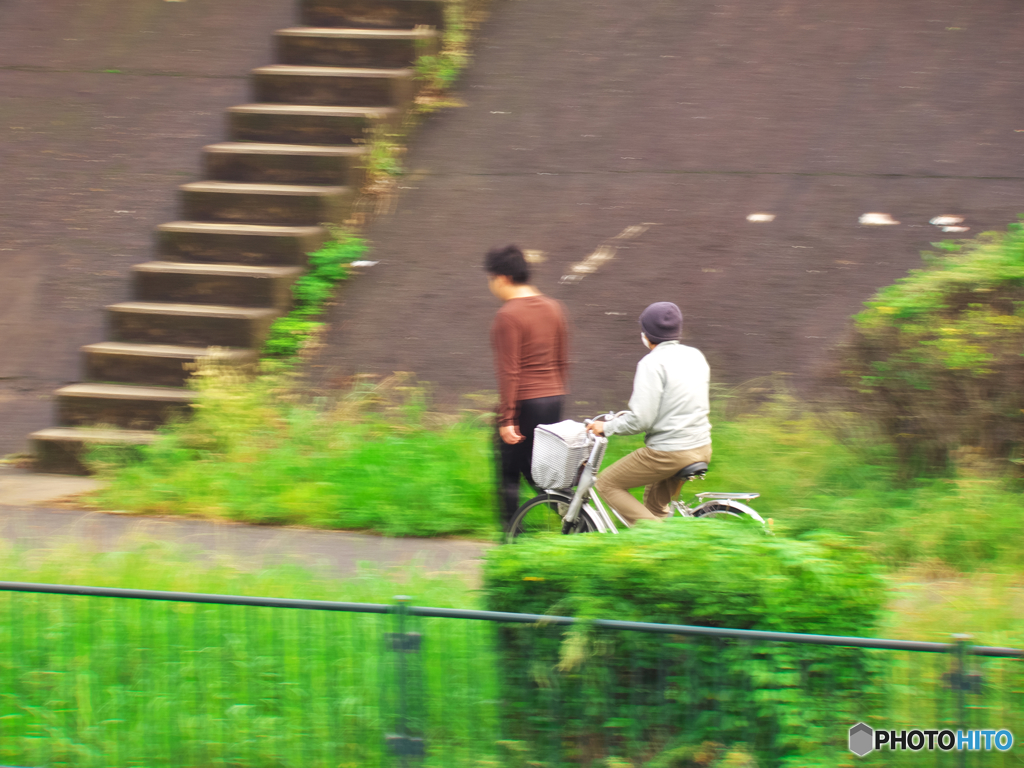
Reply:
x=531, y=361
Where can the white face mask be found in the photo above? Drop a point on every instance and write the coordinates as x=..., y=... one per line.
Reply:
x=644, y=341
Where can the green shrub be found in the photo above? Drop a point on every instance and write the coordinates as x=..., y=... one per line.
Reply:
x=938, y=355
x=599, y=690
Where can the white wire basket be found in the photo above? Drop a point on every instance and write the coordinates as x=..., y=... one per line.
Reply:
x=559, y=450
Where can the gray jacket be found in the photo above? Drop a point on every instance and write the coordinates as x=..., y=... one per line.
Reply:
x=670, y=400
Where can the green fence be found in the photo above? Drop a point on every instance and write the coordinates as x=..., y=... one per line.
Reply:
x=109, y=677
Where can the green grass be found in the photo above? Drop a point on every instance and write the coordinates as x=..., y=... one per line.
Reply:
x=378, y=459
x=142, y=563
x=102, y=682
x=89, y=681
x=927, y=605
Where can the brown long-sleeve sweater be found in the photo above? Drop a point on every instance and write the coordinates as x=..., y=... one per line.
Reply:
x=530, y=352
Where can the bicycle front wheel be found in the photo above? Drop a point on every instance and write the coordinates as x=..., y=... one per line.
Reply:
x=543, y=515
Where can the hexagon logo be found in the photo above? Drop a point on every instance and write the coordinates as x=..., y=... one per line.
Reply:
x=862, y=739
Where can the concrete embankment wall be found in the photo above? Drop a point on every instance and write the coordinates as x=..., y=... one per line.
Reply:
x=91, y=160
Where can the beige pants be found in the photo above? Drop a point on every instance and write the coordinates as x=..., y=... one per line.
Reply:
x=650, y=468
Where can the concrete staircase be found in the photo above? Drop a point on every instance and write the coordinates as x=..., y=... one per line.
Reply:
x=293, y=162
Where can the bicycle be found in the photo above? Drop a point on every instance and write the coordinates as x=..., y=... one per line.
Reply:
x=566, y=511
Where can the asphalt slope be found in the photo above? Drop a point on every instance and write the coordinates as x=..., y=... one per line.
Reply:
x=584, y=118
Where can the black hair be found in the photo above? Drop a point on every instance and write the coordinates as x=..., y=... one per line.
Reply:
x=508, y=261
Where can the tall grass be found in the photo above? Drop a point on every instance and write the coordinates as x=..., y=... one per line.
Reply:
x=372, y=460
x=836, y=477
x=378, y=459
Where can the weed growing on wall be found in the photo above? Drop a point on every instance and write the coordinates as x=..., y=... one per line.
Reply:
x=437, y=73
x=311, y=292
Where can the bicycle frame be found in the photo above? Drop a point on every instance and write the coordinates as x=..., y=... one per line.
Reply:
x=583, y=488
x=585, y=492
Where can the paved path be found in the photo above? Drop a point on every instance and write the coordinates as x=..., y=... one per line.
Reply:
x=584, y=118
x=29, y=520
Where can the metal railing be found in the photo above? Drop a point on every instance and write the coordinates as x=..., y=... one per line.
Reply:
x=101, y=677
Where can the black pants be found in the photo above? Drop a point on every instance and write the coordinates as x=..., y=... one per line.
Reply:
x=514, y=460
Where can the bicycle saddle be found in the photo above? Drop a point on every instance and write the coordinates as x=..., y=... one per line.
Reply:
x=690, y=471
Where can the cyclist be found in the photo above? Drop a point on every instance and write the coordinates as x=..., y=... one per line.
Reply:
x=670, y=404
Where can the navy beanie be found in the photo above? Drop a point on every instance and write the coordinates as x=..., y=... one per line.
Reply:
x=662, y=321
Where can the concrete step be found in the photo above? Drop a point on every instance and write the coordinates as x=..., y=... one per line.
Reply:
x=260, y=163
x=334, y=86
x=60, y=449
x=198, y=325
x=289, y=205
x=373, y=14
x=306, y=124
x=326, y=47
x=233, y=285
x=254, y=244
x=159, y=365
x=121, y=405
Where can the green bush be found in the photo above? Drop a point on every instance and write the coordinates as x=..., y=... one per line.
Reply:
x=598, y=691
x=938, y=355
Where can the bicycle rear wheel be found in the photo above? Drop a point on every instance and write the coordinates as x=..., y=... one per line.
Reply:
x=542, y=515
x=724, y=511
x=716, y=511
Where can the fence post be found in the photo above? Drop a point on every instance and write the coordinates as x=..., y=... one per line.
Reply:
x=961, y=683
x=403, y=642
